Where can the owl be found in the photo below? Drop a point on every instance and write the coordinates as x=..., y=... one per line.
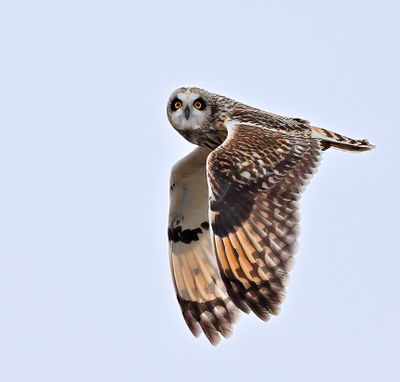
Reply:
x=233, y=218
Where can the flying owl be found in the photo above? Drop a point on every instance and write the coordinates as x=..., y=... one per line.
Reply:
x=233, y=215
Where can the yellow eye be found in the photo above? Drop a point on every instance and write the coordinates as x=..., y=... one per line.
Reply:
x=178, y=105
x=198, y=105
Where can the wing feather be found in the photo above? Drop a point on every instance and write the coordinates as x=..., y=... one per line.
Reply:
x=255, y=179
x=204, y=301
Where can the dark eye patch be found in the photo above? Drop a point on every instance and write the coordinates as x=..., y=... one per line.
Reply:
x=176, y=104
x=199, y=104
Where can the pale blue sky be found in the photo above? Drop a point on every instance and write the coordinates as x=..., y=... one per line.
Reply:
x=85, y=153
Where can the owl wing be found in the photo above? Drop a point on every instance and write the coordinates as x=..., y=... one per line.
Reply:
x=201, y=293
x=255, y=180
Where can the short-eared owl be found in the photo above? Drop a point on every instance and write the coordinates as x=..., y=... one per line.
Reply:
x=234, y=205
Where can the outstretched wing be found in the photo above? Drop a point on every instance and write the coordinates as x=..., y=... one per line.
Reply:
x=255, y=180
x=201, y=293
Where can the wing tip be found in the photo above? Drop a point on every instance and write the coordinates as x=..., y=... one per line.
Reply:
x=214, y=318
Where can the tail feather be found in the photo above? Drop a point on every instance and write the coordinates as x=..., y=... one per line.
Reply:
x=330, y=139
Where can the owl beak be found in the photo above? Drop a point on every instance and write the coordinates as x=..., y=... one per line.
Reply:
x=187, y=112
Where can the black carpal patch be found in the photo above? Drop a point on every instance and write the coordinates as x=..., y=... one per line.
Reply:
x=185, y=236
x=205, y=226
x=233, y=209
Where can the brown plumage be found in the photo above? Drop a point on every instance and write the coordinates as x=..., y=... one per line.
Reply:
x=234, y=218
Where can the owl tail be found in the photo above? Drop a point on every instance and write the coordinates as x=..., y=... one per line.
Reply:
x=330, y=139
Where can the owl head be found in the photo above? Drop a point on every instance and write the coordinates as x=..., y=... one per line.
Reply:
x=190, y=109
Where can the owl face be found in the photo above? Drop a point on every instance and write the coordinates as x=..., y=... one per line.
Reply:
x=189, y=108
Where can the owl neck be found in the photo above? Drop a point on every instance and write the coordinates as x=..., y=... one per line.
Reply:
x=210, y=138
